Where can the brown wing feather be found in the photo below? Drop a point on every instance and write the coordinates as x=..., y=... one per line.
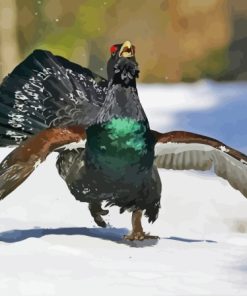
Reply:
x=189, y=138
x=22, y=161
x=180, y=150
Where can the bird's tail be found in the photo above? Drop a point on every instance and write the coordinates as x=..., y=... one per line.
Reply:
x=16, y=126
x=21, y=102
x=47, y=91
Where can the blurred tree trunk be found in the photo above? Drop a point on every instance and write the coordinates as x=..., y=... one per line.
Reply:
x=9, y=48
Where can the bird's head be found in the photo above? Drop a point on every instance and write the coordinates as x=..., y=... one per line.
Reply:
x=122, y=66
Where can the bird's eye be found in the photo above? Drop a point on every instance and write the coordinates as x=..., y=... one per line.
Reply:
x=113, y=49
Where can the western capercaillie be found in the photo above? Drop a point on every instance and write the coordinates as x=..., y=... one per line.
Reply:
x=107, y=151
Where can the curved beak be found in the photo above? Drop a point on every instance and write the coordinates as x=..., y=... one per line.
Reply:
x=127, y=50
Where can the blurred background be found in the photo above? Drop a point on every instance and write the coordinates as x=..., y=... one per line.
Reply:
x=176, y=40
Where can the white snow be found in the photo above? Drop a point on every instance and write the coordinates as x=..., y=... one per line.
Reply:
x=49, y=244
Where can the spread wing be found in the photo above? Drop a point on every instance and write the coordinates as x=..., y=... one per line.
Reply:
x=47, y=91
x=180, y=150
x=22, y=161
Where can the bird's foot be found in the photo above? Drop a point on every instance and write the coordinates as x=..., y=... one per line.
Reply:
x=140, y=236
x=99, y=221
x=97, y=212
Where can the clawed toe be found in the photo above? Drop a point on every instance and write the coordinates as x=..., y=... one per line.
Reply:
x=139, y=236
x=96, y=212
x=100, y=221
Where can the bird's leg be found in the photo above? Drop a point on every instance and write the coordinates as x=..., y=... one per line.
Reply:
x=137, y=230
x=96, y=212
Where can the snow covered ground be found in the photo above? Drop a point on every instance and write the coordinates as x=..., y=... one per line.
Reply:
x=49, y=244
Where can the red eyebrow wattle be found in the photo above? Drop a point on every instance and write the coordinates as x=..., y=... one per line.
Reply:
x=113, y=49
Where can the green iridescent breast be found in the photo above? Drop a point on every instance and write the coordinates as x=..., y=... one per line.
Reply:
x=118, y=143
x=125, y=133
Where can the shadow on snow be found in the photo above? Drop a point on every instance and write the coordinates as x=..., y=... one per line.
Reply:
x=110, y=234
